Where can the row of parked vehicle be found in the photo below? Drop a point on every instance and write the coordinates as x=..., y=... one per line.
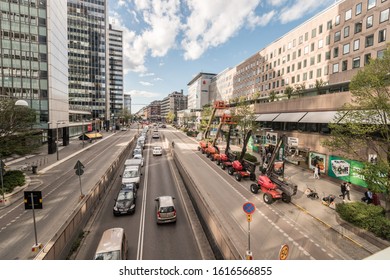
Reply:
x=126, y=199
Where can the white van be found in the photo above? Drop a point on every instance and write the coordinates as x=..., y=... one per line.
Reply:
x=134, y=162
x=132, y=174
x=112, y=245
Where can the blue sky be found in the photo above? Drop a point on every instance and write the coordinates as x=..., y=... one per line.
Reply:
x=168, y=42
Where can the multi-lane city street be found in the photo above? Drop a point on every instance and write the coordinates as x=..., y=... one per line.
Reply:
x=272, y=225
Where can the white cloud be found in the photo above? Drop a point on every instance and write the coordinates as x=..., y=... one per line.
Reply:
x=157, y=26
x=254, y=21
x=122, y=3
x=146, y=74
x=147, y=84
x=212, y=23
x=276, y=2
x=157, y=79
x=300, y=8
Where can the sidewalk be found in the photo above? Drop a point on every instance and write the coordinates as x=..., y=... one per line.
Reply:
x=324, y=186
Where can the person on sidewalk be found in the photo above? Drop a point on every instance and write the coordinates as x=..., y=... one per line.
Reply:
x=316, y=172
x=343, y=188
x=347, y=190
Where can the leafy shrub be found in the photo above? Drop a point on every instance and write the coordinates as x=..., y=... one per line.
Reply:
x=12, y=179
x=367, y=216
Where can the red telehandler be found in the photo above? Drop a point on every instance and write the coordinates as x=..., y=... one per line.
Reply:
x=204, y=143
x=241, y=168
x=273, y=186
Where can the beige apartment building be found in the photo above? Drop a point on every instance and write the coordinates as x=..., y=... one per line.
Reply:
x=318, y=60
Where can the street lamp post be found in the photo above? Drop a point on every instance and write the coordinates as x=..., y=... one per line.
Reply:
x=1, y=176
x=113, y=123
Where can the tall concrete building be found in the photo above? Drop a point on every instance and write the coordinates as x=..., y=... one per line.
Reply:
x=198, y=90
x=116, y=71
x=328, y=48
x=34, y=62
x=221, y=86
x=174, y=102
x=318, y=59
x=88, y=60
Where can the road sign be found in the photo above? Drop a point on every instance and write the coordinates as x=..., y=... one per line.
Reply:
x=79, y=168
x=36, y=199
x=249, y=207
x=249, y=217
x=283, y=253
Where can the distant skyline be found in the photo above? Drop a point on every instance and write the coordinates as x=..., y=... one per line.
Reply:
x=168, y=42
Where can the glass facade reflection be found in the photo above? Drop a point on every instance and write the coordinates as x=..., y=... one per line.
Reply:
x=116, y=71
x=23, y=62
x=86, y=51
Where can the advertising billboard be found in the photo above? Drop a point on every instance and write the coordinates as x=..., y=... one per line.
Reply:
x=346, y=170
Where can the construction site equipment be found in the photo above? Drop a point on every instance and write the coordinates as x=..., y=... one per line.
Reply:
x=212, y=149
x=273, y=186
x=241, y=168
x=204, y=143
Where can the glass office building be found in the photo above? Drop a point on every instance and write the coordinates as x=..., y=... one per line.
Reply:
x=34, y=61
x=116, y=71
x=87, y=58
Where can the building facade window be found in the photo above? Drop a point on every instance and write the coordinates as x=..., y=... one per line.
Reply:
x=335, y=68
x=356, y=62
x=369, y=40
x=358, y=9
x=348, y=14
x=384, y=16
x=335, y=52
x=346, y=31
x=367, y=58
x=371, y=4
x=346, y=49
x=344, y=65
x=337, y=36
x=369, y=22
x=382, y=35
x=358, y=27
x=356, y=44
x=337, y=20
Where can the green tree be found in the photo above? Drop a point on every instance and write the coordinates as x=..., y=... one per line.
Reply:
x=365, y=128
x=272, y=96
x=16, y=133
x=246, y=117
x=170, y=117
x=206, y=114
x=289, y=91
x=256, y=96
x=319, y=84
x=125, y=115
x=300, y=89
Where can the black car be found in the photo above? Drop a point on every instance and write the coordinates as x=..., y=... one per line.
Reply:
x=131, y=187
x=125, y=202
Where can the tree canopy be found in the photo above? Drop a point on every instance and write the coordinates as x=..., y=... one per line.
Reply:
x=364, y=129
x=16, y=133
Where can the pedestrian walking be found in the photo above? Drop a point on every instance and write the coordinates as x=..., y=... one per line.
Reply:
x=347, y=190
x=343, y=188
x=316, y=172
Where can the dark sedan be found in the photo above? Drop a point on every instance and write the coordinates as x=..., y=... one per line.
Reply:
x=125, y=202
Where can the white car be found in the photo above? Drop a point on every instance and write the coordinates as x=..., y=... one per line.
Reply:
x=139, y=156
x=156, y=135
x=157, y=151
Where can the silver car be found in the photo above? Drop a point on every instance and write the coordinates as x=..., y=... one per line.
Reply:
x=165, y=210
